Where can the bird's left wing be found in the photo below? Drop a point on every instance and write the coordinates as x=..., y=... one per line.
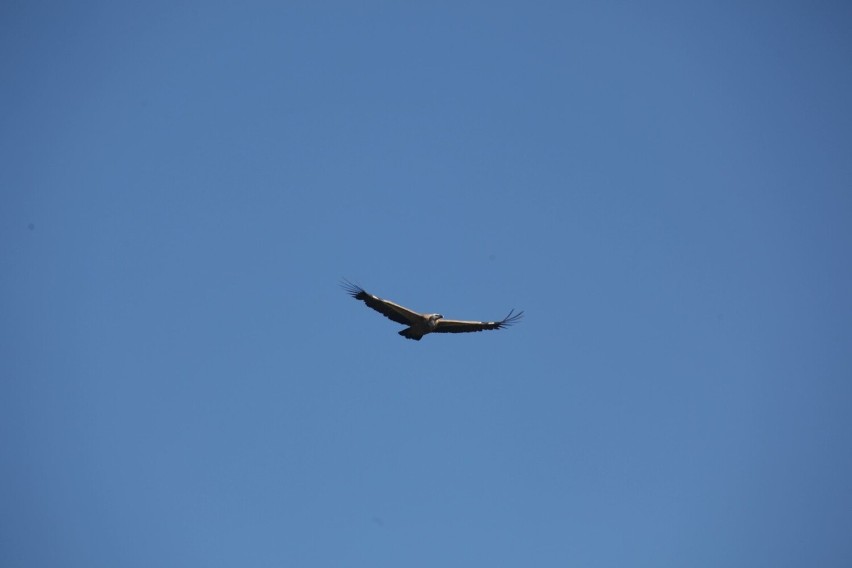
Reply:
x=390, y=310
x=460, y=326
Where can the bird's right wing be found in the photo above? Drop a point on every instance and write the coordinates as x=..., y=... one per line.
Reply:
x=460, y=326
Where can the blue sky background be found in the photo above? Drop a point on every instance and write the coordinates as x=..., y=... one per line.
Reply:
x=665, y=188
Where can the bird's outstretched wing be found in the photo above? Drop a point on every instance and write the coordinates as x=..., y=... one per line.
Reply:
x=459, y=326
x=387, y=308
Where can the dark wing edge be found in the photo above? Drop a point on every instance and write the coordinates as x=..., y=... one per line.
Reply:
x=393, y=312
x=457, y=326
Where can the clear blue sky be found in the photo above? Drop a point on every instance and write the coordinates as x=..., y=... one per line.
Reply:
x=664, y=187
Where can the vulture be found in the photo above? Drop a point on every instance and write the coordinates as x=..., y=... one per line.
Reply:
x=421, y=324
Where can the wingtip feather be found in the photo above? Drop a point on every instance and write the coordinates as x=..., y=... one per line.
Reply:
x=511, y=319
x=352, y=289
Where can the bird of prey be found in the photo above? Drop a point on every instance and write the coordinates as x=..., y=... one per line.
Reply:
x=421, y=324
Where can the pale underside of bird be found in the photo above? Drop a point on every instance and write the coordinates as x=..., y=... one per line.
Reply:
x=421, y=324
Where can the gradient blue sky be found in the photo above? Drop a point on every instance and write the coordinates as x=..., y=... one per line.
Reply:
x=664, y=187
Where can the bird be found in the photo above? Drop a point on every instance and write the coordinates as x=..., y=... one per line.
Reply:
x=422, y=324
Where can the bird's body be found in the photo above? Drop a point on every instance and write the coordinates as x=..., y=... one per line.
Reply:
x=422, y=324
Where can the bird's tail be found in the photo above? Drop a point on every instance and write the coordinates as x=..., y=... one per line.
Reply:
x=409, y=333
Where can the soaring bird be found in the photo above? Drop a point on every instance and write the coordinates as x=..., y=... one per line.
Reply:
x=421, y=324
